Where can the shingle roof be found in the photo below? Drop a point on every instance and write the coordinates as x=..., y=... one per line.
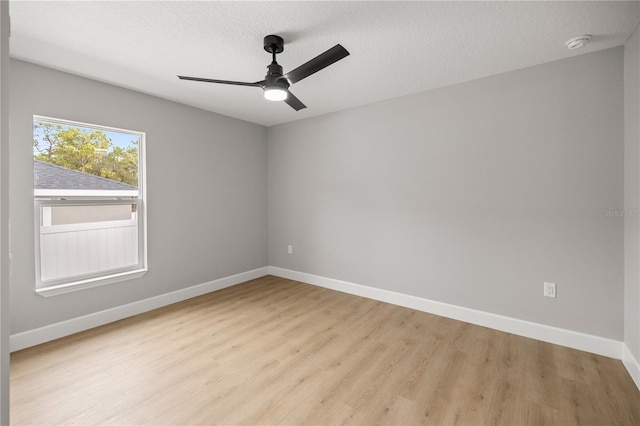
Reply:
x=50, y=176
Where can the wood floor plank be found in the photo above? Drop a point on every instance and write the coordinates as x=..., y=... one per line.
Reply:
x=274, y=351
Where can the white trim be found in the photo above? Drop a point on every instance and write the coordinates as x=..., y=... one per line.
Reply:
x=5, y=253
x=93, y=193
x=581, y=341
x=559, y=336
x=103, y=278
x=64, y=328
x=632, y=365
x=87, y=125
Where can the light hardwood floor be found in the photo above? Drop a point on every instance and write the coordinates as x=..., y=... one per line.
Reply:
x=275, y=351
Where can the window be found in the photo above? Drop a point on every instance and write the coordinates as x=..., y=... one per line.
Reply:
x=89, y=205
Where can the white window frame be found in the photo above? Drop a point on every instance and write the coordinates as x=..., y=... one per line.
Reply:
x=79, y=282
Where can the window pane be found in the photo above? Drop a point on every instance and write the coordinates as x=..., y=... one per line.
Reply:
x=86, y=190
x=65, y=215
x=81, y=161
x=86, y=246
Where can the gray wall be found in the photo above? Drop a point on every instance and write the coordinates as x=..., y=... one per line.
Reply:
x=632, y=194
x=206, y=185
x=473, y=194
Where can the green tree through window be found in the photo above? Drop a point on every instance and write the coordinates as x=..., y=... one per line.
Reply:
x=86, y=150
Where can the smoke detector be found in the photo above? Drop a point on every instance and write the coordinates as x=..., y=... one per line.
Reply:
x=577, y=42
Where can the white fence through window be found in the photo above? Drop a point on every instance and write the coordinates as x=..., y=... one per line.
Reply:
x=80, y=242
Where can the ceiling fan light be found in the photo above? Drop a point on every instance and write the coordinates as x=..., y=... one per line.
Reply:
x=275, y=93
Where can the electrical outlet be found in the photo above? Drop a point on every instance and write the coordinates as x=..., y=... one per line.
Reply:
x=550, y=289
x=290, y=249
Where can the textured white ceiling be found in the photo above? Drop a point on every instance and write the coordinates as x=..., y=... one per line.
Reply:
x=397, y=48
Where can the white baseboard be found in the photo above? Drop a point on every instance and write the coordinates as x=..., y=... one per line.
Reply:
x=582, y=341
x=632, y=365
x=64, y=328
x=559, y=336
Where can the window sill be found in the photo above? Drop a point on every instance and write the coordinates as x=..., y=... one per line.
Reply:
x=55, y=290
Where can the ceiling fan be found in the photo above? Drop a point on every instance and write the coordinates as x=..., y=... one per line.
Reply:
x=276, y=85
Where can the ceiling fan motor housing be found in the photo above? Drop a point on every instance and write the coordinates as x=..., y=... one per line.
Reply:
x=274, y=74
x=273, y=44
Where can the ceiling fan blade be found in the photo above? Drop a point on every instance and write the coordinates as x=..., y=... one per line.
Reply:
x=294, y=102
x=321, y=61
x=208, y=80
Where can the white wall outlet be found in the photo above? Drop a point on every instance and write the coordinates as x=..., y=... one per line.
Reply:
x=290, y=249
x=550, y=289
